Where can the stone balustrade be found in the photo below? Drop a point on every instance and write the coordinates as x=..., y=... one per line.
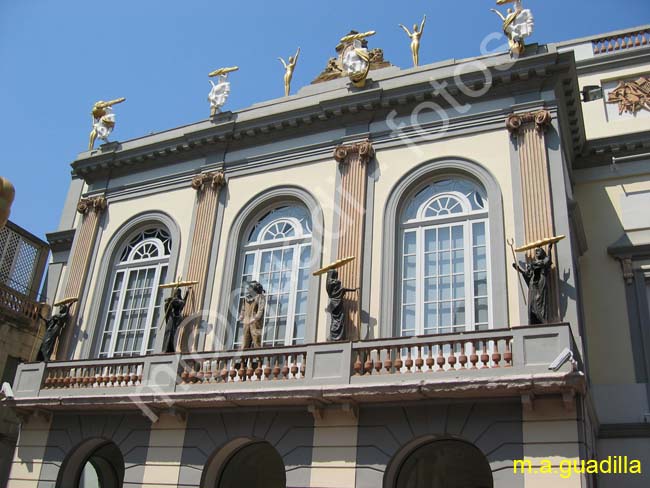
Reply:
x=622, y=41
x=435, y=353
x=510, y=359
x=18, y=304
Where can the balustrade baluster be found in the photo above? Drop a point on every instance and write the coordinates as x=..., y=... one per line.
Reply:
x=294, y=367
x=285, y=367
x=462, y=358
x=409, y=360
x=358, y=365
x=419, y=362
x=388, y=362
x=496, y=355
x=367, y=366
x=485, y=357
x=276, y=369
x=440, y=360
x=473, y=357
x=378, y=363
x=507, y=356
x=430, y=361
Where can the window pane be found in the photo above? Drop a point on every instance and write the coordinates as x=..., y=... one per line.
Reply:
x=408, y=318
x=249, y=261
x=443, y=238
x=430, y=318
x=445, y=314
x=409, y=242
x=478, y=234
x=458, y=260
x=459, y=287
x=480, y=284
x=481, y=310
x=408, y=291
x=305, y=256
x=265, y=264
x=479, y=259
x=457, y=240
x=430, y=243
x=445, y=288
x=301, y=303
x=459, y=312
x=444, y=263
x=430, y=264
x=409, y=267
x=299, y=330
x=430, y=289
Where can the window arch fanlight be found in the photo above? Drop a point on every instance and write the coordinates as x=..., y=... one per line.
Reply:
x=444, y=270
x=135, y=302
x=277, y=253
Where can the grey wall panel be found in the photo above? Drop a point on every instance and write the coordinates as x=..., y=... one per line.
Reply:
x=290, y=432
x=495, y=427
x=129, y=432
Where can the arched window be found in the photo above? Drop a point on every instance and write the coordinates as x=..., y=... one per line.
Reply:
x=135, y=303
x=277, y=253
x=95, y=462
x=445, y=277
x=451, y=463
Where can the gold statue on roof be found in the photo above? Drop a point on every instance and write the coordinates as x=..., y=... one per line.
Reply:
x=103, y=120
x=518, y=24
x=356, y=57
x=415, y=36
x=288, y=71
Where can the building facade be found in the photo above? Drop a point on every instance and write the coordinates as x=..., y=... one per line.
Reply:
x=428, y=177
x=23, y=258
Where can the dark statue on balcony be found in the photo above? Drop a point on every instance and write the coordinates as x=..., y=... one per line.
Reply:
x=174, y=306
x=336, y=292
x=252, y=315
x=536, y=275
x=53, y=328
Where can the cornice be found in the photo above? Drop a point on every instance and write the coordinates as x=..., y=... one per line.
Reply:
x=60, y=240
x=323, y=110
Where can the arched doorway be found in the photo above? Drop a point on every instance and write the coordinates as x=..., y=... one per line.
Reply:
x=95, y=463
x=439, y=463
x=245, y=462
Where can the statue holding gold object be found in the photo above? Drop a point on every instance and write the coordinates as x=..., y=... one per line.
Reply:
x=53, y=328
x=415, y=36
x=518, y=24
x=103, y=120
x=536, y=275
x=336, y=292
x=220, y=90
x=174, y=306
x=7, y=195
x=288, y=71
x=356, y=58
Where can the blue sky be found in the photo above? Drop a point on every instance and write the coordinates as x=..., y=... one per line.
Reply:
x=58, y=57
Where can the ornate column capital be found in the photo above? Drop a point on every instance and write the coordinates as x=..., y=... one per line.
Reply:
x=364, y=149
x=541, y=118
x=216, y=179
x=94, y=204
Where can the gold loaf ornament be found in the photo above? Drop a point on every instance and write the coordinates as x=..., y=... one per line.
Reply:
x=7, y=195
x=334, y=265
x=540, y=243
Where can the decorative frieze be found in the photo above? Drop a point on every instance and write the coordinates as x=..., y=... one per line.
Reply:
x=631, y=96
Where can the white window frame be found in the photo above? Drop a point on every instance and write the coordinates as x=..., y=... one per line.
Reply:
x=298, y=243
x=127, y=267
x=420, y=225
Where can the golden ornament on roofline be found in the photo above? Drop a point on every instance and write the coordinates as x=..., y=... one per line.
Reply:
x=66, y=301
x=334, y=265
x=540, y=243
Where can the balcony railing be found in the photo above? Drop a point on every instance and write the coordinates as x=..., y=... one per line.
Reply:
x=622, y=41
x=17, y=304
x=517, y=357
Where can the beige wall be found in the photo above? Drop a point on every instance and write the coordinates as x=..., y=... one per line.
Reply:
x=603, y=286
x=178, y=204
x=596, y=122
x=492, y=151
x=28, y=458
x=317, y=178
